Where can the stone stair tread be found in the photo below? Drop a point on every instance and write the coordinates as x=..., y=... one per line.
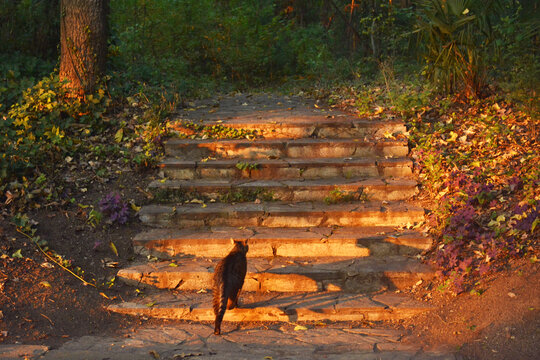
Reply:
x=285, y=162
x=294, y=148
x=285, y=274
x=327, y=189
x=283, y=214
x=340, y=183
x=280, y=207
x=291, y=242
x=288, y=168
x=290, y=307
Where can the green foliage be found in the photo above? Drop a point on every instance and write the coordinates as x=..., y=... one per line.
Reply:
x=517, y=54
x=30, y=27
x=247, y=195
x=337, y=196
x=456, y=36
x=17, y=73
x=44, y=126
x=244, y=165
x=191, y=130
x=198, y=46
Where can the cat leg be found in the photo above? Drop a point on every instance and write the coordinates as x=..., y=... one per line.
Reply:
x=233, y=300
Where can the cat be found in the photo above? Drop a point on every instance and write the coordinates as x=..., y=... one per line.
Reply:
x=229, y=277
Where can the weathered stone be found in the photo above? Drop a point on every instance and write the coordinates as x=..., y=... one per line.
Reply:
x=340, y=182
x=17, y=352
x=284, y=275
x=271, y=307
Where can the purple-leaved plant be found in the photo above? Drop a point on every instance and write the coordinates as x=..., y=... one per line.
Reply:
x=116, y=209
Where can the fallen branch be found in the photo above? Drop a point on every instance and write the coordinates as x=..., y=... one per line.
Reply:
x=54, y=261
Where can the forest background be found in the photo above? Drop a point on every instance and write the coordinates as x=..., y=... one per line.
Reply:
x=462, y=73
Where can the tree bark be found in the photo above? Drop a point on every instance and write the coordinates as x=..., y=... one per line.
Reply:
x=83, y=42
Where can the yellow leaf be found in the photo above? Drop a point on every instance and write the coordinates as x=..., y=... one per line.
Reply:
x=453, y=137
x=173, y=265
x=300, y=328
x=45, y=284
x=150, y=304
x=135, y=207
x=119, y=135
x=113, y=248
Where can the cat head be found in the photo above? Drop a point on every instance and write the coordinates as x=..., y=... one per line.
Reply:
x=241, y=245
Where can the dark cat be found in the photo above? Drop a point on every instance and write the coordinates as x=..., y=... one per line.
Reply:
x=228, y=280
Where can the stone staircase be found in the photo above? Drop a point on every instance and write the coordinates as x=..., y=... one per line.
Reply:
x=322, y=197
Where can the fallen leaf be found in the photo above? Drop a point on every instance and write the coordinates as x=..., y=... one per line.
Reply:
x=113, y=248
x=119, y=135
x=45, y=284
x=17, y=254
x=135, y=207
x=150, y=304
x=511, y=294
x=300, y=328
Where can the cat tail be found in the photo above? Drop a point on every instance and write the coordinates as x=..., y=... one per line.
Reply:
x=220, y=305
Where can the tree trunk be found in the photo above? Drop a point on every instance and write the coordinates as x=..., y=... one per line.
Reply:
x=83, y=42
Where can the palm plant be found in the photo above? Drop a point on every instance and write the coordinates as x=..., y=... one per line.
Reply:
x=455, y=36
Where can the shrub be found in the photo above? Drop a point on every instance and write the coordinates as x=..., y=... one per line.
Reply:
x=456, y=36
x=44, y=126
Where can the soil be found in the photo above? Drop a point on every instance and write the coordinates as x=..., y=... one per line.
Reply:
x=500, y=321
x=41, y=303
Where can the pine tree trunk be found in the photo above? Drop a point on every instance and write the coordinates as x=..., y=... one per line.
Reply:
x=83, y=42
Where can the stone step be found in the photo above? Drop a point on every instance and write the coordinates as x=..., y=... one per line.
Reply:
x=194, y=149
x=289, y=242
x=328, y=190
x=290, y=307
x=272, y=169
x=278, y=214
x=282, y=274
x=288, y=120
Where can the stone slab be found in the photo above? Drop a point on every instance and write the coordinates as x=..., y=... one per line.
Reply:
x=327, y=189
x=280, y=214
x=271, y=307
x=20, y=351
x=288, y=168
x=279, y=274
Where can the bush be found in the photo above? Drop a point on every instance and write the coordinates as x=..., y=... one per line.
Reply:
x=45, y=125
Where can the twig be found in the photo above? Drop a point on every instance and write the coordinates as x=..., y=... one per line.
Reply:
x=46, y=317
x=56, y=262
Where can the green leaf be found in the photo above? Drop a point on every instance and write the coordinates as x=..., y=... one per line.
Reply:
x=17, y=254
x=534, y=224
